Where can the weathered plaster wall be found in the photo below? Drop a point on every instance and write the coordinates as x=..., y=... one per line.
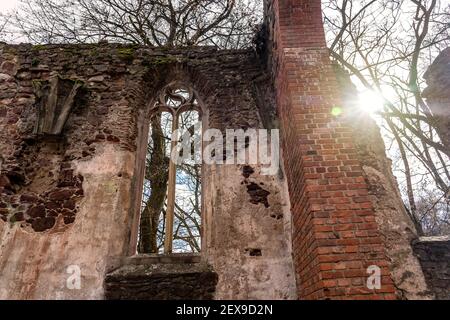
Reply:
x=85, y=182
x=45, y=180
x=34, y=265
x=248, y=234
x=396, y=226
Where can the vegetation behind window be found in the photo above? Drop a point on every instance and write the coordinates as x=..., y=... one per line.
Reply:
x=186, y=186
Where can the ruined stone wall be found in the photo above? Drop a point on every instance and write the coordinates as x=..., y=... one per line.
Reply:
x=434, y=255
x=70, y=199
x=437, y=94
x=433, y=252
x=72, y=124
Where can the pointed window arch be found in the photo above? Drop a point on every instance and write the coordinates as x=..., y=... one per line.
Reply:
x=170, y=220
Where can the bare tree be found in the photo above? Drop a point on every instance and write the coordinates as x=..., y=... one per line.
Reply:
x=225, y=23
x=386, y=46
x=189, y=198
x=156, y=177
x=187, y=222
x=4, y=20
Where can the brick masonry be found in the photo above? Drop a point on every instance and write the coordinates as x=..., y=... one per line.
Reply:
x=335, y=233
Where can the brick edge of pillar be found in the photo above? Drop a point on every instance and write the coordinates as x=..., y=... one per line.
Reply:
x=335, y=234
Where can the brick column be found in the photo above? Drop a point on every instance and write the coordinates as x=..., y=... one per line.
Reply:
x=335, y=235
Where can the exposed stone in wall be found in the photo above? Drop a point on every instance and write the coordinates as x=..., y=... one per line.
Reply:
x=257, y=194
x=39, y=189
x=55, y=100
x=396, y=226
x=35, y=265
x=434, y=255
x=91, y=169
x=171, y=280
x=438, y=94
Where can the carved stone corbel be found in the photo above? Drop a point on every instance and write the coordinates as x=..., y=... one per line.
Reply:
x=55, y=99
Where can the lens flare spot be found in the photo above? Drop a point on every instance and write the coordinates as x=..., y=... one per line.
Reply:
x=336, y=111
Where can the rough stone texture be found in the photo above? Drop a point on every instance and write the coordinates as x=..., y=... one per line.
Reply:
x=174, y=280
x=438, y=94
x=71, y=196
x=55, y=100
x=37, y=179
x=35, y=265
x=434, y=255
x=70, y=199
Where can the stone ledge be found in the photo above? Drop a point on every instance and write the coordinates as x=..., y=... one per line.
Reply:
x=434, y=239
x=146, y=259
x=434, y=256
x=161, y=281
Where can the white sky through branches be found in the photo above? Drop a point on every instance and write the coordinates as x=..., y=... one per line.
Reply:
x=6, y=5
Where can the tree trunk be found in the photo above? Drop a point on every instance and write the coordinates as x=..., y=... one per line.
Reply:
x=156, y=172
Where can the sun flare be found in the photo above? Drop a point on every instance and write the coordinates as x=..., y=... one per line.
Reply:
x=371, y=101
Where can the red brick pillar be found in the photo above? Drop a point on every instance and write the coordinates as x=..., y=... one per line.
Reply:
x=335, y=235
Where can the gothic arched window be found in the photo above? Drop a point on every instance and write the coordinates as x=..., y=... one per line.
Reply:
x=171, y=201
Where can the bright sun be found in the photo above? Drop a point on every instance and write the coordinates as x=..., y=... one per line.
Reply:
x=370, y=101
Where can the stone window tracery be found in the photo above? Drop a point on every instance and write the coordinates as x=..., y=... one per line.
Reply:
x=171, y=201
